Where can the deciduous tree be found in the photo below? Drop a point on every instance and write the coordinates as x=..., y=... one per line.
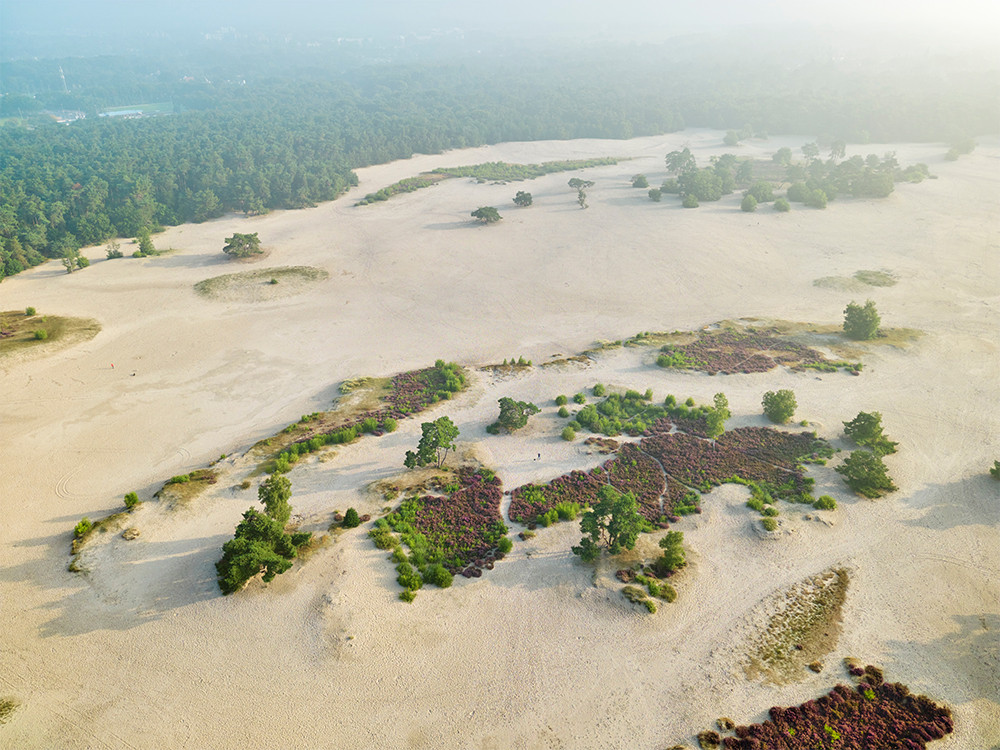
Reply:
x=614, y=522
x=438, y=437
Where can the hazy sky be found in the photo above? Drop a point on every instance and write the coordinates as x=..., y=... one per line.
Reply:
x=647, y=19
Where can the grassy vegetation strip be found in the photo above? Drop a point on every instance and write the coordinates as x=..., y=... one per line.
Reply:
x=487, y=172
x=875, y=714
x=256, y=284
x=21, y=332
x=744, y=351
x=803, y=627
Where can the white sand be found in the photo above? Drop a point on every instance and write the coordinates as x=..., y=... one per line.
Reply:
x=143, y=652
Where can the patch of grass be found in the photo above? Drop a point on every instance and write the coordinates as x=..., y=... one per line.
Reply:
x=875, y=278
x=20, y=332
x=183, y=488
x=8, y=705
x=246, y=285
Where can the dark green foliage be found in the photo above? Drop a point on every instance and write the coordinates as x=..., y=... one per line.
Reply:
x=673, y=557
x=389, y=424
x=779, y=406
x=29, y=311
x=131, y=500
x=580, y=398
x=513, y=414
x=82, y=528
x=437, y=439
x=748, y=204
x=861, y=323
x=561, y=400
x=598, y=390
x=502, y=171
x=563, y=412
x=407, y=577
x=408, y=595
x=437, y=575
x=995, y=471
x=486, y=214
x=578, y=184
x=866, y=474
x=655, y=194
x=239, y=245
x=260, y=544
x=613, y=522
x=680, y=162
x=782, y=205
x=640, y=181
x=690, y=201
x=866, y=430
x=522, y=199
x=763, y=192
x=505, y=545
x=351, y=519
x=617, y=413
x=568, y=434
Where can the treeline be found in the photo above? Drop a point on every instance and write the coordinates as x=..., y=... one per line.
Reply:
x=289, y=134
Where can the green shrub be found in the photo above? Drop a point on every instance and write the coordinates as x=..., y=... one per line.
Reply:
x=866, y=474
x=995, y=471
x=273, y=281
x=779, y=406
x=598, y=390
x=548, y=518
x=667, y=592
x=29, y=311
x=438, y=575
x=861, y=323
x=574, y=425
x=825, y=502
x=351, y=519
x=382, y=535
x=567, y=511
x=580, y=398
x=368, y=424
x=770, y=511
x=563, y=412
x=41, y=334
x=399, y=555
x=782, y=205
x=83, y=528
x=689, y=403
x=131, y=500
x=749, y=204
x=505, y=545
x=690, y=201
x=769, y=524
x=389, y=424
x=568, y=434
x=561, y=400
x=180, y=479
x=407, y=577
x=756, y=503
x=408, y=595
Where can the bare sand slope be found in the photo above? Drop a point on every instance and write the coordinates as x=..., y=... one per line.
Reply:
x=143, y=652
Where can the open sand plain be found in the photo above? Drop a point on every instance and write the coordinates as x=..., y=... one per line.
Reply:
x=142, y=651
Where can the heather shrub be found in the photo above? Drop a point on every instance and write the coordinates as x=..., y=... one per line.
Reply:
x=407, y=577
x=770, y=511
x=769, y=524
x=407, y=595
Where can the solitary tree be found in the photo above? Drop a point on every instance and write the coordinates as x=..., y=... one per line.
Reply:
x=522, y=199
x=655, y=194
x=486, y=214
x=146, y=246
x=679, y=162
x=274, y=494
x=866, y=474
x=242, y=245
x=640, y=181
x=749, y=203
x=779, y=406
x=437, y=439
x=577, y=184
x=613, y=522
x=513, y=415
x=810, y=151
x=715, y=420
x=673, y=557
x=866, y=430
x=581, y=198
x=861, y=323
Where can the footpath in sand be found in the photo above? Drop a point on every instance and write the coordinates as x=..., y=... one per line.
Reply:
x=143, y=651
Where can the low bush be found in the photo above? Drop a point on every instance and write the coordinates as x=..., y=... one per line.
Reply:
x=131, y=500
x=29, y=311
x=505, y=545
x=382, y=536
x=995, y=471
x=568, y=434
x=563, y=412
x=580, y=398
x=351, y=519
x=407, y=577
x=598, y=390
x=41, y=334
x=368, y=424
x=561, y=400
x=825, y=502
x=567, y=511
x=866, y=474
x=389, y=424
x=769, y=524
x=438, y=575
x=782, y=205
x=180, y=479
x=83, y=528
x=408, y=595
x=770, y=511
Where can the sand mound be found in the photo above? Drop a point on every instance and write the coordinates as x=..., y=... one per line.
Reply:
x=262, y=284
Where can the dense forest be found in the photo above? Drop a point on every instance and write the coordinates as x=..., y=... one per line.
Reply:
x=263, y=129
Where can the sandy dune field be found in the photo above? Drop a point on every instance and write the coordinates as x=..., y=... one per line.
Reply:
x=142, y=651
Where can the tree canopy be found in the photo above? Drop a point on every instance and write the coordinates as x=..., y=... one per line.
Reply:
x=866, y=474
x=779, y=406
x=614, y=523
x=861, y=322
x=523, y=199
x=486, y=214
x=436, y=440
x=242, y=245
x=513, y=415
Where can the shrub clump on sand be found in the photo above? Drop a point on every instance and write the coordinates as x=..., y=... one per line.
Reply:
x=861, y=323
x=779, y=406
x=866, y=474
